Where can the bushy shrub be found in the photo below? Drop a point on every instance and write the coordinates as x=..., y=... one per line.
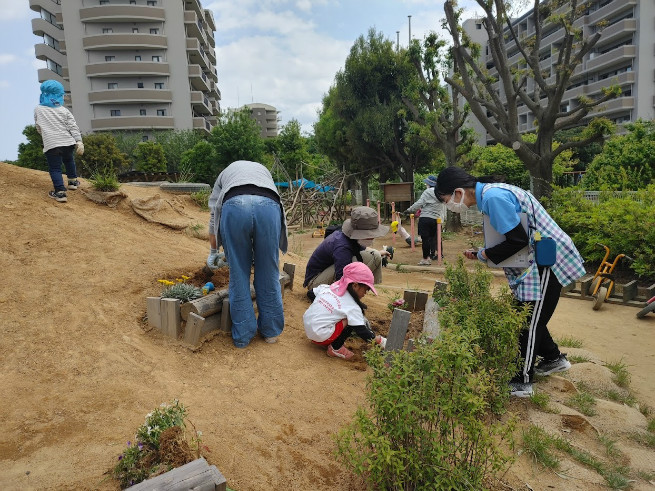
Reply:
x=30, y=154
x=431, y=424
x=149, y=157
x=101, y=155
x=625, y=224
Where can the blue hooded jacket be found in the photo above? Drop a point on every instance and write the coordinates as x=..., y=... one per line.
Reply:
x=52, y=94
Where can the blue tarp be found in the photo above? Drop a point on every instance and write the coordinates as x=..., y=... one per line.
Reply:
x=307, y=185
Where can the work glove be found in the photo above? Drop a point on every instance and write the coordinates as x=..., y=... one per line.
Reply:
x=216, y=259
x=480, y=256
x=79, y=148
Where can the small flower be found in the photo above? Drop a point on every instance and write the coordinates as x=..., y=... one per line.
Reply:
x=185, y=277
x=129, y=443
x=120, y=457
x=179, y=280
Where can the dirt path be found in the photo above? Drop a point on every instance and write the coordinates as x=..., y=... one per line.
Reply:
x=80, y=370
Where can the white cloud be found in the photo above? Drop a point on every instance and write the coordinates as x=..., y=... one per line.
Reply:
x=6, y=58
x=13, y=9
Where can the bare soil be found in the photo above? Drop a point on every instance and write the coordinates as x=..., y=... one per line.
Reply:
x=80, y=368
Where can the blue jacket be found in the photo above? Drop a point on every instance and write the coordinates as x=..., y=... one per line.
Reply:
x=337, y=249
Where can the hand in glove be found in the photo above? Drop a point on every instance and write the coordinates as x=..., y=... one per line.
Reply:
x=215, y=259
x=79, y=148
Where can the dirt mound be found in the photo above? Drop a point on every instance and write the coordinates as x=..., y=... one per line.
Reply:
x=79, y=370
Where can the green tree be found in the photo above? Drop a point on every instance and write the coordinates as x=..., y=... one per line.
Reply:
x=101, y=155
x=500, y=160
x=627, y=162
x=30, y=154
x=175, y=143
x=149, y=157
x=201, y=162
x=292, y=149
x=236, y=136
x=525, y=81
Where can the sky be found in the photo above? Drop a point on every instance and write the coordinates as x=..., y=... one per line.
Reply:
x=285, y=53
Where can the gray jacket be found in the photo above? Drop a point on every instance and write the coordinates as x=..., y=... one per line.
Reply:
x=429, y=205
x=241, y=173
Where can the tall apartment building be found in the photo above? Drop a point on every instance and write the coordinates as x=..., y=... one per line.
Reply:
x=266, y=117
x=136, y=65
x=623, y=56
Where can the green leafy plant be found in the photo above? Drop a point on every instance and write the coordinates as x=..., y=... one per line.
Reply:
x=429, y=421
x=201, y=198
x=160, y=445
x=539, y=445
x=105, y=180
x=149, y=157
x=179, y=289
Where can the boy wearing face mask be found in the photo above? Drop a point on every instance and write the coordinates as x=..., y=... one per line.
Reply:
x=537, y=286
x=342, y=247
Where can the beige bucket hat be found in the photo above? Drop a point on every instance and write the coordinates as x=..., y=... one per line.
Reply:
x=363, y=224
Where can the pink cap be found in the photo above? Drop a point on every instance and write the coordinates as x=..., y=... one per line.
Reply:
x=353, y=273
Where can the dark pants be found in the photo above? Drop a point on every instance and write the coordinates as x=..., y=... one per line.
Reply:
x=536, y=339
x=363, y=332
x=57, y=156
x=427, y=229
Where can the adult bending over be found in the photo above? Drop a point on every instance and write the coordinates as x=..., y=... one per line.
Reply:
x=427, y=222
x=247, y=219
x=345, y=246
x=504, y=203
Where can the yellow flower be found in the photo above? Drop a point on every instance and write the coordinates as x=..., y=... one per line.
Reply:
x=163, y=282
x=185, y=277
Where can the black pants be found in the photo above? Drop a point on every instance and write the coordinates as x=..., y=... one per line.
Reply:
x=363, y=332
x=541, y=342
x=427, y=229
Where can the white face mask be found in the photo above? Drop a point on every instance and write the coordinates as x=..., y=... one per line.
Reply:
x=457, y=207
x=365, y=242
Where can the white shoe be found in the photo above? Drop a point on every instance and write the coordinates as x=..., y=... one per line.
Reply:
x=425, y=262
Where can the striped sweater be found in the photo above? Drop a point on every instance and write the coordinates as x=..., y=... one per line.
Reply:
x=57, y=127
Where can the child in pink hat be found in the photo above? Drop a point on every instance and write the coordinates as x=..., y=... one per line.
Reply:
x=337, y=312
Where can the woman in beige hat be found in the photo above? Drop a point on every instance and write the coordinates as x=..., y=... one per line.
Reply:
x=342, y=247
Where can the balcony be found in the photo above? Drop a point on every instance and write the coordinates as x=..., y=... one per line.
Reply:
x=196, y=53
x=122, y=13
x=620, y=54
x=621, y=79
x=41, y=27
x=615, y=31
x=201, y=124
x=200, y=103
x=610, y=10
x=118, y=41
x=199, y=81
x=615, y=105
x=53, y=6
x=129, y=96
x=133, y=123
x=209, y=19
x=193, y=25
x=193, y=5
x=47, y=74
x=46, y=52
x=127, y=68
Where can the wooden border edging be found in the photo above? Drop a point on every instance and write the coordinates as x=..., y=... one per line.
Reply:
x=197, y=475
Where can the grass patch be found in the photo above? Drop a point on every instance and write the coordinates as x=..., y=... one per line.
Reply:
x=542, y=401
x=578, y=359
x=621, y=373
x=645, y=439
x=539, y=445
x=583, y=402
x=105, y=181
x=651, y=425
x=201, y=198
x=569, y=342
x=620, y=397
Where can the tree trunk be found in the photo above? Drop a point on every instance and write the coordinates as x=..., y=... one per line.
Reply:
x=453, y=222
x=364, y=190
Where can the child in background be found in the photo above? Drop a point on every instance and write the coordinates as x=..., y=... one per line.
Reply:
x=337, y=312
x=396, y=227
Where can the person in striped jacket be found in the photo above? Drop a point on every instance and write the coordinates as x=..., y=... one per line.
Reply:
x=61, y=137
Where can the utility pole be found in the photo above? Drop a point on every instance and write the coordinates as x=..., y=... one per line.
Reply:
x=397, y=41
x=409, y=17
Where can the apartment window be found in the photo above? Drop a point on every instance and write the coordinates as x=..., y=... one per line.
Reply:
x=115, y=112
x=144, y=138
x=152, y=3
x=478, y=25
x=132, y=2
x=107, y=30
x=159, y=85
x=50, y=41
x=137, y=58
x=161, y=112
x=154, y=30
x=142, y=112
x=55, y=67
x=135, y=30
x=156, y=58
x=112, y=85
x=139, y=85
x=104, y=2
x=110, y=58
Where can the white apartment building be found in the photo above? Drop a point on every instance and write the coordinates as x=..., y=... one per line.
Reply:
x=135, y=65
x=624, y=56
x=266, y=117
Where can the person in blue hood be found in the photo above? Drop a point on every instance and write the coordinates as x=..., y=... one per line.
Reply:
x=61, y=137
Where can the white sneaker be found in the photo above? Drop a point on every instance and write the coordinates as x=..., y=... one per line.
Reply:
x=425, y=262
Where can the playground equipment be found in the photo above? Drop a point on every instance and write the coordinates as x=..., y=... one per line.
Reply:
x=648, y=308
x=603, y=281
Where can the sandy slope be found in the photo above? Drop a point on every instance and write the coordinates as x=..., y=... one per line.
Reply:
x=80, y=370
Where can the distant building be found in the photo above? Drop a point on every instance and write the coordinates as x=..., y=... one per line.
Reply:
x=266, y=117
x=622, y=56
x=135, y=65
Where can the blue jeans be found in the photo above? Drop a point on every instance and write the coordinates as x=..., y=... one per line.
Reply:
x=250, y=227
x=57, y=156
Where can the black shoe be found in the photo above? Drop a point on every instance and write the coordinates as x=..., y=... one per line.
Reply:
x=546, y=367
x=73, y=185
x=311, y=295
x=59, y=196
